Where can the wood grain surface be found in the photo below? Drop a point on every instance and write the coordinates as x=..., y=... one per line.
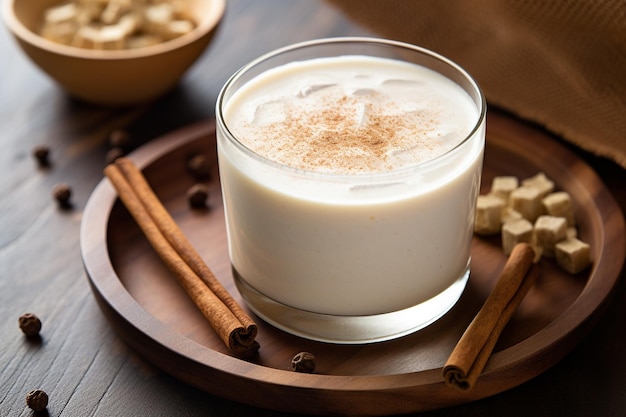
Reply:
x=79, y=360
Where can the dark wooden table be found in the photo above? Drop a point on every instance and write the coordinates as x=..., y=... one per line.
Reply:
x=82, y=364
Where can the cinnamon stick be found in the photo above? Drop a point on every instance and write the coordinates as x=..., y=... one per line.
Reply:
x=471, y=353
x=225, y=315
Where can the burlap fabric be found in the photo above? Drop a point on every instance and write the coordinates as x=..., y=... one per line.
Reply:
x=561, y=64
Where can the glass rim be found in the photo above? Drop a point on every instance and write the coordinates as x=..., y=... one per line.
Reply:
x=221, y=123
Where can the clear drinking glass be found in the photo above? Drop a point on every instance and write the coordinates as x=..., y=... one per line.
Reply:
x=342, y=256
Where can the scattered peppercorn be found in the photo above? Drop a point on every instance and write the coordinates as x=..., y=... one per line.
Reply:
x=62, y=193
x=199, y=167
x=42, y=155
x=37, y=400
x=197, y=196
x=113, y=154
x=30, y=324
x=119, y=139
x=303, y=362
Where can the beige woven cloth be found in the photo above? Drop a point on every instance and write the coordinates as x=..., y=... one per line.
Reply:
x=558, y=63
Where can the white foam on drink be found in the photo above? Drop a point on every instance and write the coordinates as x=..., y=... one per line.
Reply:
x=356, y=114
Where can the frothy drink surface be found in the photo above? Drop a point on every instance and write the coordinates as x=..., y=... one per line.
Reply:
x=361, y=244
x=350, y=114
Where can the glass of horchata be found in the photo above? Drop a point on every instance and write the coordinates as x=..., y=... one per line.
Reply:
x=350, y=169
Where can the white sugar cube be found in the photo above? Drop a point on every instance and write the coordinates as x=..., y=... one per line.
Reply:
x=573, y=255
x=503, y=186
x=548, y=231
x=541, y=183
x=559, y=204
x=514, y=232
x=527, y=201
x=488, y=219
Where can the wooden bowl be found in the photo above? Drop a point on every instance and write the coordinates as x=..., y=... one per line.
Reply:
x=112, y=77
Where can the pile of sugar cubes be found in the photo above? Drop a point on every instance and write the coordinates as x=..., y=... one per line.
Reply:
x=116, y=24
x=533, y=212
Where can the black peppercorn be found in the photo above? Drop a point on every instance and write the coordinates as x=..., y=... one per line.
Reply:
x=30, y=324
x=119, y=139
x=42, y=155
x=37, y=400
x=197, y=196
x=303, y=362
x=62, y=194
x=199, y=167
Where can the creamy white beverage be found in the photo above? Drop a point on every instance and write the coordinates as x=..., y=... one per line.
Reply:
x=350, y=185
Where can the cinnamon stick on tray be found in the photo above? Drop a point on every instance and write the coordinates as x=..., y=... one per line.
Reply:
x=225, y=315
x=471, y=353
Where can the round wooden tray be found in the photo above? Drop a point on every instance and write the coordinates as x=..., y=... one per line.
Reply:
x=152, y=313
